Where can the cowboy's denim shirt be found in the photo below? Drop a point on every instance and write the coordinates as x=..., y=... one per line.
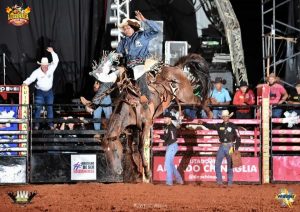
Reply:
x=135, y=47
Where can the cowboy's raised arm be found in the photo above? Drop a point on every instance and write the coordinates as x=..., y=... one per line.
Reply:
x=55, y=59
x=153, y=26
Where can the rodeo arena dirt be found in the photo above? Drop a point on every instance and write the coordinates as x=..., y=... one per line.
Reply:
x=139, y=130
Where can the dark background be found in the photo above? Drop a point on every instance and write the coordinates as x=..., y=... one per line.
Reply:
x=76, y=30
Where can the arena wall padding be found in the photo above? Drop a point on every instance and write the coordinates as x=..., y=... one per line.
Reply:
x=13, y=169
x=56, y=168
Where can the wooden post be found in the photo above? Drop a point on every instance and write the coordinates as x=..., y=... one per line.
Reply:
x=24, y=114
x=265, y=134
x=147, y=155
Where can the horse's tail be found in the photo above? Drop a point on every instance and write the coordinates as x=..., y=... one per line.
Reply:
x=198, y=73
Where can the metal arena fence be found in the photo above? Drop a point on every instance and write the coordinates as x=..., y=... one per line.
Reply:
x=73, y=154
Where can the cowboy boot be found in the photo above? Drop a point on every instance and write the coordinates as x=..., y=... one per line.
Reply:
x=84, y=101
x=89, y=109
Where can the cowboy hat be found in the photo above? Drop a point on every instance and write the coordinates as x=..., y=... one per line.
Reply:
x=44, y=61
x=170, y=115
x=129, y=22
x=225, y=113
x=219, y=80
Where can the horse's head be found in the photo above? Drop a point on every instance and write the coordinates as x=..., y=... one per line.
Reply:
x=107, y=63
x=122, y=117
x=113, y=150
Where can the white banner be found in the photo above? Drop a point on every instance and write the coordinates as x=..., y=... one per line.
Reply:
x=13, y=174
x=83, y=167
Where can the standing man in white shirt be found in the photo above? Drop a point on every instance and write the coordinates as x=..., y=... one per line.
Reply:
x=43, y=93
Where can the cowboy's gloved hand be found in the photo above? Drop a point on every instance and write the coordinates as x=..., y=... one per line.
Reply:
x=139, y=16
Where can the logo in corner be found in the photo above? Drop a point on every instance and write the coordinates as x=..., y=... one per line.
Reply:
x=22, y=197
x=18, y=16
x=286, y=198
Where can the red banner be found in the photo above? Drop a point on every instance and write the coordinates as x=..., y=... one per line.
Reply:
x=203, y=169
x=286, y=168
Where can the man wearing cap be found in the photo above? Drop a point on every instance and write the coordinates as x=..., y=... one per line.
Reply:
x=244, y=96
x=44, y=82
x=170, y=139
x=229, y=138
x=134, y=47
x=219, y=97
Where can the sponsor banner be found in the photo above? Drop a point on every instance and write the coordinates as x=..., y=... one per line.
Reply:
x=83, y=167
x=8, y=112
x=12, y=170
x=286, y=168
x=203, y=169
x=9, y=88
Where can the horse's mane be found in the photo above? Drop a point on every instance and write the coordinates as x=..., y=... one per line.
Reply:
x=196, y=68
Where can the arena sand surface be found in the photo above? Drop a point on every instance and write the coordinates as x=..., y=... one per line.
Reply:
x=149, y=197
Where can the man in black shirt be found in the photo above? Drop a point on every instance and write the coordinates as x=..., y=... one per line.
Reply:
x=294, y=98
x=229, y=138
x=170, y=138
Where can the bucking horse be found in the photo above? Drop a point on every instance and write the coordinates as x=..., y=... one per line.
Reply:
x=168, y=84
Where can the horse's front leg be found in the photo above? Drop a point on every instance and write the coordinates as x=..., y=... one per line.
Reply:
x=144, y=149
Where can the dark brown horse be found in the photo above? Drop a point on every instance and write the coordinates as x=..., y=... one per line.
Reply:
x=171, y=83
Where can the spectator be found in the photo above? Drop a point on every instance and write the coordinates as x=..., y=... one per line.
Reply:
x=43, y=93
x=295, y=99
x=219, y=97
x=278, y=94
x=67, y=126
x=244, y=96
